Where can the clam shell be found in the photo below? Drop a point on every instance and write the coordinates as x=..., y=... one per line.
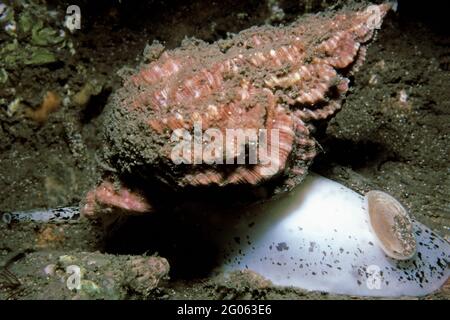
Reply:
x=391, y=224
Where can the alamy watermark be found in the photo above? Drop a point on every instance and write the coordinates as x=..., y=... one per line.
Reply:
x=73, y=18
x=232, y=146
x=74, y=280
x=375, y=19
x=374, y=277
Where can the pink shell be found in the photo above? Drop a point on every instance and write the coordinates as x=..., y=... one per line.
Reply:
x=263, y=78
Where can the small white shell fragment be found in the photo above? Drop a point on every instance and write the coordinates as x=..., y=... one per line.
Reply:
x=62, y=214
x=318, y=237
x=391, y=224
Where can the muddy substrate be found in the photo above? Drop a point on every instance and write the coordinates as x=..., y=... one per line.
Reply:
x=392, y=134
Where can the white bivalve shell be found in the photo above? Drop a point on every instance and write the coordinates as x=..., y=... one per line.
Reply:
x=391, y=224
